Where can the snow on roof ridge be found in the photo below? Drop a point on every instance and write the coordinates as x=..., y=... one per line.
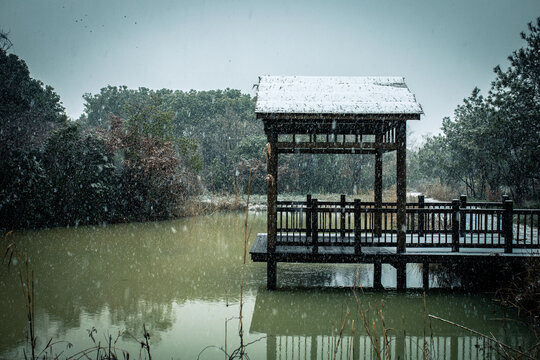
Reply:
x=335, y=94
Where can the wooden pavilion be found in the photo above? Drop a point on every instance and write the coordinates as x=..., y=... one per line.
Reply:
x=339, y=115
x=368, y=115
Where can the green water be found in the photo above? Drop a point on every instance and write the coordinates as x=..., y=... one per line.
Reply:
x=181, y=279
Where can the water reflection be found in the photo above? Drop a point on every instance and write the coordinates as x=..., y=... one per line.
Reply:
x=181, y=278
x=300, y=329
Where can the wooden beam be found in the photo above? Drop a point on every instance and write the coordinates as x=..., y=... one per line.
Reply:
x=330, y=126
x=328, y=151
x=337, y=145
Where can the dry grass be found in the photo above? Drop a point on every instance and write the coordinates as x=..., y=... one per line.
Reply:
x=205, y=206
x=438, y=191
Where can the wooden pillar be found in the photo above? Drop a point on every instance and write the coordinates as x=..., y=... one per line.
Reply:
x=401, y=274
x=378, y=185
x=401, y=183
x=272, y=178
x=425, y=276
x=377, y=274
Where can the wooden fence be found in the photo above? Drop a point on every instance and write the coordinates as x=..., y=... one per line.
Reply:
x=457, y=224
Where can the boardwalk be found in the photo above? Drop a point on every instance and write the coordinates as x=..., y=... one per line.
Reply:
x=355, y=232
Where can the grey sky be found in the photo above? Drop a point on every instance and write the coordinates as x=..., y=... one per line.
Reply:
x=443, y=48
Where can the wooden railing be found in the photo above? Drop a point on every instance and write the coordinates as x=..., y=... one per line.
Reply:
x=457, y=224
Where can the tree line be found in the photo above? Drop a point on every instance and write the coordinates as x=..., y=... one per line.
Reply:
x=140, y=154
x=492, y=143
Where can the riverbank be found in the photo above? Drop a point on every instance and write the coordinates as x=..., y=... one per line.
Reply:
x=211, y=203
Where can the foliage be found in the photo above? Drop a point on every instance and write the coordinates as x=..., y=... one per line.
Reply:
x=29, y=111
x=515, y=97
x=56, y=173
x=205, y=127
x=82, y=178
x=491, y=144
x=154, y=182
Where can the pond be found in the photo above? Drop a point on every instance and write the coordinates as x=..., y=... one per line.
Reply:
x=181, y=280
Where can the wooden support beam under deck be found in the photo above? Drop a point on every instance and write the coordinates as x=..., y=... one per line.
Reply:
x=425, y=276
x=377, y=274
x=401, y=276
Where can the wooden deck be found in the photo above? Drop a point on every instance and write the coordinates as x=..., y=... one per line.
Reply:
x=372, y=253
x=472, y=249
x=366, y=232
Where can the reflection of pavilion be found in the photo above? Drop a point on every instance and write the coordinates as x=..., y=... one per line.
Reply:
x=300, y=329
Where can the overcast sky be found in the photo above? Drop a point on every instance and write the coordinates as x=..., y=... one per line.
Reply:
x=442, y=48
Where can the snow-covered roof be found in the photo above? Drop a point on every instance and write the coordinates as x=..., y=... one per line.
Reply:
x=335, y=95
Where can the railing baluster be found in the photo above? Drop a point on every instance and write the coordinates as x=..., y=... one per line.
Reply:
x=357, y=228
x=342, y=222
x=287, y=223
x=491, y=230
x=455, y=225
x=421, y=215
x=308, y=217
x=532, y=227
x=462, y=205
x=508, y=225
x=314, y=226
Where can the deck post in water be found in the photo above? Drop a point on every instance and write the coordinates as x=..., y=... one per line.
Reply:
x=377, y=274
x=425, y=276
x=401, y=275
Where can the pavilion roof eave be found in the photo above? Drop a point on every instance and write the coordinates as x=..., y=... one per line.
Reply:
x=337, y=116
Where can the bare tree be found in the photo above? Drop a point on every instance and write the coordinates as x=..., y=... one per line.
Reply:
x=5, y=43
